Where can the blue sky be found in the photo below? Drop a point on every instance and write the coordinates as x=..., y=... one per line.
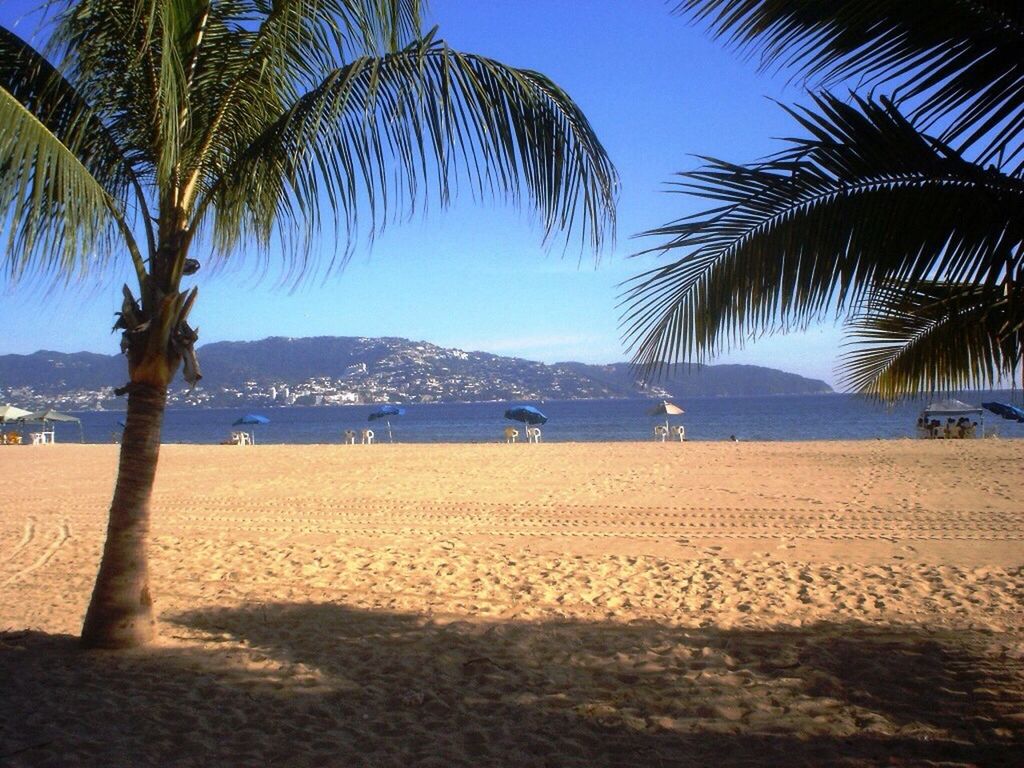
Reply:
x=657, y=91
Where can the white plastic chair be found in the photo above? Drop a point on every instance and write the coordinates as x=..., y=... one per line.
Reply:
x=511, y=434
x=350, y=437
x=679, y=432
x=661, y=433
x=533, y=434
x=366, y=436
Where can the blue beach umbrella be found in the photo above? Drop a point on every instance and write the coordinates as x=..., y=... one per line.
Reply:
x=526, y=414
x=1006, y=410
x=386, y=412
x=251, y=419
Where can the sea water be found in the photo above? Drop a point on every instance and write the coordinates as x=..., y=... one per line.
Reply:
x=785, y=417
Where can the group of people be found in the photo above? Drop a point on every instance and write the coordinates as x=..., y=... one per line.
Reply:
x=952, y=429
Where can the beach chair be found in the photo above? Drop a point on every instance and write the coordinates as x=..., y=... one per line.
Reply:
x=679, y=432
x=350, y=437
x=366, y=436
x=533, y=434
x=511, y=434
x=661, y=433
x=240, y=438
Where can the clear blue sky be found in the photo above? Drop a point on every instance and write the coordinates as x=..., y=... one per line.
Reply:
x=657, y=91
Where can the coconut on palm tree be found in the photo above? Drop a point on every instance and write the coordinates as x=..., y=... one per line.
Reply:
x=903, y=213
x=160, y=131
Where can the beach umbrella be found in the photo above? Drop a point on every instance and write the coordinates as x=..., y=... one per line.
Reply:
x=1006, y=410
x=527, y=414
x=251, y=419
x=50, y=415
x=666, y=409
x=386, y=412
x=12, y=413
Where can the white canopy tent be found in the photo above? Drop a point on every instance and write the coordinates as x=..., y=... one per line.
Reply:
x=10, y=413
x=952, y=407
x=49, y=416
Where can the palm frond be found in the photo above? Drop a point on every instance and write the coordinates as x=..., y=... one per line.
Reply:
x=385, y=133
x=865, y=198
x=194, y=75
x=63, y=183
x=952, y=58
x=932, y=336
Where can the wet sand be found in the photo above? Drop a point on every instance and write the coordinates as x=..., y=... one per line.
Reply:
x=839, y=603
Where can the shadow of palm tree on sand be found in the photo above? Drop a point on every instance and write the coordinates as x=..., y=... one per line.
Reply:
x=326, y=684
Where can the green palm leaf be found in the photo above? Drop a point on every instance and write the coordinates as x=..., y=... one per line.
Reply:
x=195, y=75
x=384, y=133
x=866, y=198
x=957, y=59
x=934, y=336
x=63, y=182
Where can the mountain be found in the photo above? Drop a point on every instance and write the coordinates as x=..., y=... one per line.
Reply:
x=337, y=369
x=683, y=380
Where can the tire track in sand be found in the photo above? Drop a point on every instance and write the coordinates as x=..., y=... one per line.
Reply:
x=63, y=534
x=26, y=538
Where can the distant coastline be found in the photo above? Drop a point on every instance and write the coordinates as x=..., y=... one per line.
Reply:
x=338, y=370
x=782, y=418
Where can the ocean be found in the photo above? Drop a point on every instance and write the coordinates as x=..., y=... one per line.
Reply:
x=791, y=417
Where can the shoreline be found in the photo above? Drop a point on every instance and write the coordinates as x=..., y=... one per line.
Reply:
x=784, y=418
x=262, y=443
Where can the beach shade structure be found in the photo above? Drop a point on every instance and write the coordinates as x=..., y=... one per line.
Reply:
x=1006, y=410
x=9, y=413
x=251, y=420
x=386, y=412
x=50, y=416
x=527, y=414
x=12, y=413
x=952, y=409
x=666, y=409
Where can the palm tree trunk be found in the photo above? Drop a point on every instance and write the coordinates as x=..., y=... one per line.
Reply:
x=120, y=613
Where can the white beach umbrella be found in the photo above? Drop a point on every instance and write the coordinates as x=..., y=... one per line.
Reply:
x=11, y=413
x=665, y=408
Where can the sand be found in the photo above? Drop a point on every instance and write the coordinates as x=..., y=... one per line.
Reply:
x=620, y=604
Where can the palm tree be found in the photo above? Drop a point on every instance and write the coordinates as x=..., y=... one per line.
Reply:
x=153, y=128
x=886, y=197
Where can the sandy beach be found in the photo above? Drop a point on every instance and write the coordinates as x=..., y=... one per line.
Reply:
x=617, y=604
